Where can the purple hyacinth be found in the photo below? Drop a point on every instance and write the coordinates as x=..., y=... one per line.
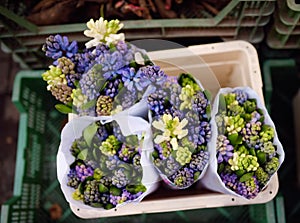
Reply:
x=72, y=79
x=230, y=180
x=175, y=91
x=126, y=152
x=174, y=112
x=199, y=161
x=79, y=174
x=135, y=196
x=248, y=189
x=112, y=87
x=150, y=75
x=58, y=46
x=224, y=149
x=156, y=103
x=250, y=134
x=127, y=50
x=125, y=196
x=183, y=178
x=164, y=149
x=86, y=59
x=90, y=83
x=200, y=104
x=241, y=96
x=83, y=171
x=204, y=132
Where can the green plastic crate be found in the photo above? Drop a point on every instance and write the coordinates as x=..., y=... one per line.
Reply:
x=285, y=32
x=239, y=19
x=36, y=187
x=279, y=67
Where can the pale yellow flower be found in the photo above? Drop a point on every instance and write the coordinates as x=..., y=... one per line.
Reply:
x=172, y=130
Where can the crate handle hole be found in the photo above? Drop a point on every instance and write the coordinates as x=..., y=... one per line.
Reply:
x=232, y=199
x=271, y=192
x=78, y=209
x=212, y=47
x=115, y=209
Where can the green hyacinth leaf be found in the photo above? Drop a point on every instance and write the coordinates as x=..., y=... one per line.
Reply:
x=262, y=157
x=89, y=133
x=246, y=177
x=63, y=108
x=83, y=154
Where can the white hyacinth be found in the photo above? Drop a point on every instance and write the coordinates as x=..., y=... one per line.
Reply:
x=103, y=31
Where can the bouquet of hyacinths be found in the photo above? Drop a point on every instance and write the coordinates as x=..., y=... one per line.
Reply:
x=180, y=117
x=99, y=166
x=102, y=79
x=248, y=151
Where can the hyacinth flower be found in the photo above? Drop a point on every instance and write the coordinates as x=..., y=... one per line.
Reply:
x=172, y=128
x=150, y=75
x=58, y=84
x=106, y=171
x=103, y=31
x=58, y=46
x=181, y=129
x=224, y=149
x=253, y=155
x=243, y=162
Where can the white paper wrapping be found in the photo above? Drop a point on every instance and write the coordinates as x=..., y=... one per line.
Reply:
x=211, y=179
x=163, y=176
x=129, y=125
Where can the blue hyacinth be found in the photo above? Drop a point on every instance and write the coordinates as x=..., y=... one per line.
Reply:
x=58, y=46
x=150, y=75
x=241, y=96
